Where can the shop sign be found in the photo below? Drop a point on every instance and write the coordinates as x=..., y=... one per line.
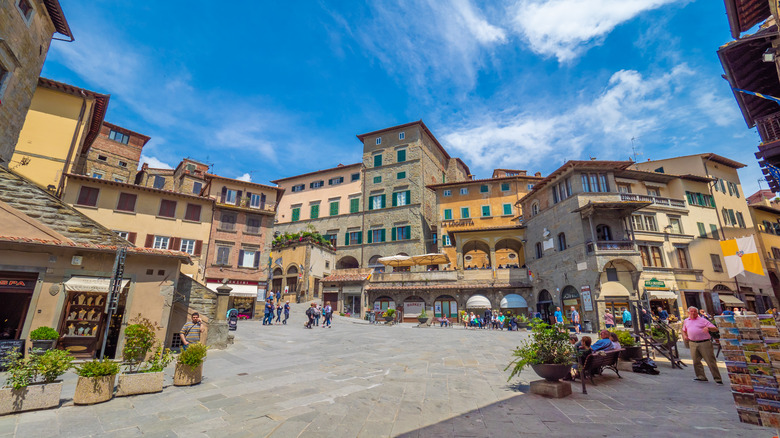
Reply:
x=654, y=282
x=413, y=308
x=457, y=223
x=587, y=301
x=21, y=284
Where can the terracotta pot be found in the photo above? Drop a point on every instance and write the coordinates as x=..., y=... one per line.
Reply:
x=186, y=375
x=91, y=390
x=552, y=371
x=141, y=383
x=30, y=398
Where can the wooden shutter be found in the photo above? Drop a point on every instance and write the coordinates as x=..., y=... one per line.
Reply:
x=175, y=243
x=240, y=257
x=257, y=259
x=408, y=231
x=370, y=236
x=224, y=194
x=248, y=199
x=392, y=234
x=383, y=234
x=149, y=241
x=238, y=197
x=346, y=240
x=198, y=247
x=360, y=237
x=395, y=199
x=371, y=202
x=408, y=197
x=131, y=237
x=383, y=201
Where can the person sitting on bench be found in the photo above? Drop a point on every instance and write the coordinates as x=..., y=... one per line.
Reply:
x=603, y=344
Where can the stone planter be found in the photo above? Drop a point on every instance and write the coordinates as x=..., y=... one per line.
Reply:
x=388, y=318
x=552, y=371
x=422, y=320
x=91, y=390
x=631, y=353
x=43, y=344
x=522, y=325
x=30, y=398
x=185, y=375
x=141, y=383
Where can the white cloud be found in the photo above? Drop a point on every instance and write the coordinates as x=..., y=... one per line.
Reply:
x=630, y=106
x=567, y=28
x=245, y=177
x=153, y=162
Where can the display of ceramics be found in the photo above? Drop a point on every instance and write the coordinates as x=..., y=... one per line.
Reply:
x=80, y=331
x=90, y=315
x=89, y=301
x=81, y=299
x=72, y=315
x=94, y=330
x=82, y=312
x=98, y=300
x=71, y=330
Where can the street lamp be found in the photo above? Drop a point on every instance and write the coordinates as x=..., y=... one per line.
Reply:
x=769, y=55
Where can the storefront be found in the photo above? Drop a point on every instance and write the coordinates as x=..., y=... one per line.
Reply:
x=513, y=304
x=446, y=306
x=413, y=307
x=84, y=319
x=16, y=291
x=658, y=294
x=352, y=299
x=570, y=297
x=729, y=301
x=243, y=296
x=615, y=297
x=381, y=304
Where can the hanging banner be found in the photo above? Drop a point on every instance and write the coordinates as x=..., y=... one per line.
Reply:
x=587, y=300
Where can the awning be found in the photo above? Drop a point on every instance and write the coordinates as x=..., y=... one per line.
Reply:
x=478, y=302
x=731, y=300
x=91, y=284
x=352, y=289
x=662, y=295
x=237, y=290
x=431, y=259
x=513, y=301
x=330, y=290
x=614, y=289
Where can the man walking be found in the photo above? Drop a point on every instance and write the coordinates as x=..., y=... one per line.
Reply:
x=558, y=316
x=269, y=312
x=696, y=330
x=575, y=319
x=626, y=318
x=190, y=332
x=286, y=312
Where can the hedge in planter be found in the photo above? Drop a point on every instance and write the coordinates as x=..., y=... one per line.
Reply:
x=143, y=375
x=189, y=366
x=43, y=338
x=32, y=381
x=549, y=345
x=96, y=381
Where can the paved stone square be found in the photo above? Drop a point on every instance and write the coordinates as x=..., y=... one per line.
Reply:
x=362, y=380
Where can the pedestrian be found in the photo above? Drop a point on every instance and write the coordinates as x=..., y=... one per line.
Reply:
x=609, y=319
x=269, y=312
x=696, y=330
x=486, y=317
x=278, y=297
x=327, y=311
x=663, y=315
x=372, y=317
x=265, y=312
x=279, y=313
x=558, y=316
x=310, y=312
x=317, y=314
x=191, y=331
x=575, y=319
x=286, y=312
x=626, y=318
x=646, y=318
x=513, y=324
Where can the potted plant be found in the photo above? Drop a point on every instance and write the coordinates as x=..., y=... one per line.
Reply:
x=189, y=366
x=522, y=321
x=32, y=381
x=631, y=350
x=548, y=352
x=43, y=338
x=389, y=315
x=423, y=317
x=143, y=375
x=96, y=381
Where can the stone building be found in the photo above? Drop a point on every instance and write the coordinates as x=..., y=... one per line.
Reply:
x=400, y=211
x=346, y=290
x=188, y=177
x=55, y=270
x=61, y=126
x=472, y=207
x=330, y=202
x=240, y=234
x=114, y=155
x=298, y=268
x=26, y=31
x=147, y=217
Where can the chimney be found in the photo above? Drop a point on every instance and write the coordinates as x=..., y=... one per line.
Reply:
x=538, y=174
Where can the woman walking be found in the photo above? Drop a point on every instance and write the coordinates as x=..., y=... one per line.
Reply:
x=327, y=311
x=286, y=312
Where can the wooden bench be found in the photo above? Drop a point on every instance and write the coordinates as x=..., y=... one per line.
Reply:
x=595, y=364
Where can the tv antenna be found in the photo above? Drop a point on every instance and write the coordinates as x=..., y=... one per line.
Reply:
x=633, y=149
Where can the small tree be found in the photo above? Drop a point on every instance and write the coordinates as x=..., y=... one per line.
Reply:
x=548, y=345
x=139, y=340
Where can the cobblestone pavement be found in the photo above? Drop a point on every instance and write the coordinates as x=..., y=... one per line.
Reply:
x=361, y=380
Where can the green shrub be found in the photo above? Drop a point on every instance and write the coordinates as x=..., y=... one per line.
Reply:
x=389, y=312
x=161, y=358
x=44, y=334
x=625, y=338
x=98, y=368
x=423, y=314
x=193, y=356
x=139, y=340
x=42, y=368
x=522, y=318
x=548, y=345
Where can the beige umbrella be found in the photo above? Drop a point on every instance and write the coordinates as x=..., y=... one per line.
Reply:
x=396, y=260
x=431, y=259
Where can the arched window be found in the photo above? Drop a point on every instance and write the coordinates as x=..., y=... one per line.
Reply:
x=561, y=242
x=534, y=209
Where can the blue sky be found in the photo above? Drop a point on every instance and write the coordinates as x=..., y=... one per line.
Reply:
x=264, y=90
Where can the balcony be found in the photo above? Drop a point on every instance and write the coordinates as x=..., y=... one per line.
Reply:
x=769, y=127
x=415, y=276
x=610, y=246
x=244, y=204
x=656, y=200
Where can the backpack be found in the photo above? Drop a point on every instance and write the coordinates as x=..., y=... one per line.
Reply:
x=310, y=311
x=645, y=366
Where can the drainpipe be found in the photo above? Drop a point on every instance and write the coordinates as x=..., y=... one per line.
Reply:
x=73, y=142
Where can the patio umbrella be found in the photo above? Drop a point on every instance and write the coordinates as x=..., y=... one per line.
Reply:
x=396, y=260
x=431, y=259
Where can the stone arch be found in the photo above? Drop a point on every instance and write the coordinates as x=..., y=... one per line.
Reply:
x=445, y=305
x=476, y=254
x=570, y=297
x=545, y=306
x=347, y=262
x=509, y=252
x=373, y=262
x=292, y=269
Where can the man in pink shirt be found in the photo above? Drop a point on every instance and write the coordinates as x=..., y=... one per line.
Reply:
x=696, y=330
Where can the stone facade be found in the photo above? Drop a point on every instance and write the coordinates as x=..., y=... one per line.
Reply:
x=112, y=159
x=303, y=266
x=24, y=43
